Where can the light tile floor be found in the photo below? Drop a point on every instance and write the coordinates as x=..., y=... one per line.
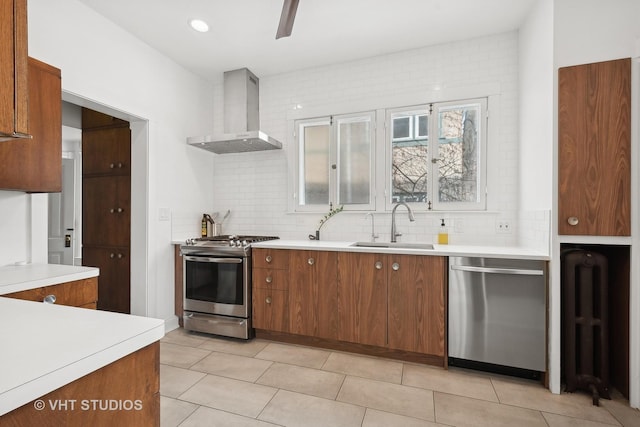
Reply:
x=208, y=381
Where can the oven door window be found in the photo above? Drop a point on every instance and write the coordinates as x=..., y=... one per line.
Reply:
x=216, y=280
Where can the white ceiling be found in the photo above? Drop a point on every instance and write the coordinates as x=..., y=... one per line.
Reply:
x=242, y=32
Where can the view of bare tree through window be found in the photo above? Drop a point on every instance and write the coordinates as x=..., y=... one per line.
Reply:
x=458, y=158
x=410, y=156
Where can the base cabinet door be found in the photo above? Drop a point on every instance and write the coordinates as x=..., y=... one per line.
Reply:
x=362, y=298
x=113, y=287
x=270, y=309
x=416, y=303
x=313, y=294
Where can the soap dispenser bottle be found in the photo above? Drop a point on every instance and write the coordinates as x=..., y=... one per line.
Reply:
x=443, y=234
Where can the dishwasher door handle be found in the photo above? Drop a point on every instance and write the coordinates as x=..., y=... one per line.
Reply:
x=493, y=270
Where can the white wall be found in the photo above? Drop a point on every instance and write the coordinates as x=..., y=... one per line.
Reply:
x=536, y=114
x=254, y=185
x=588, y=31
x=107, y=66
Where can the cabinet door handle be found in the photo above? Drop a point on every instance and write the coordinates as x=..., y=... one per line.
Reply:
x=311, y=261
x=268, y=258
x=573, y=220
x=267, y=300
x=120, y=210
x=112, y=210
x=378, y=265
x=112, y=255
x=120, y=256
x=111, y=165
x=120, y=165
x=395, y=266
x=49, y=299
x=268, y=279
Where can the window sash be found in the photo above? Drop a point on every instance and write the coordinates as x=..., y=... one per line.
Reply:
x=426, y=175
x=349, y=173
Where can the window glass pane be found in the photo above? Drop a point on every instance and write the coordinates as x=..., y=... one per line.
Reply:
x=401, y=128
x=458, y=150
x=354, y=145
x=314, y=165
x=422, y=126
x=410, y=162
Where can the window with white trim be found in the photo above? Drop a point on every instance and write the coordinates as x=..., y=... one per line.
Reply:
x=335, y=162
x=436, y=155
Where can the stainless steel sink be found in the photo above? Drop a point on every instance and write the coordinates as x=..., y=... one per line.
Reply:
x=399, y=245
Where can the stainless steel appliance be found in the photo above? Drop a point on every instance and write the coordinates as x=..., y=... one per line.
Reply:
x=217, y=284
x=497, y=313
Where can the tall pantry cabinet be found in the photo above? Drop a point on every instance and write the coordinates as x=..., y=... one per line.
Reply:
x=106, y=206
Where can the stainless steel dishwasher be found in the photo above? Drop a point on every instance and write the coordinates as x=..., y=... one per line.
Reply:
x=497, y=313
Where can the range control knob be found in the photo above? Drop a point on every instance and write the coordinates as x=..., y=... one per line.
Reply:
x=245, y=243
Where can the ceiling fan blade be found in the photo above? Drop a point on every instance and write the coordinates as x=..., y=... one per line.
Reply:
x=287, y=17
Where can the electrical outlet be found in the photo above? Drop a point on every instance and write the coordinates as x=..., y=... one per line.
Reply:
x=503, y=226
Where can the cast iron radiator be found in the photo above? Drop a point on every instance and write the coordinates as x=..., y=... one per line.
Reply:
x=585, y=322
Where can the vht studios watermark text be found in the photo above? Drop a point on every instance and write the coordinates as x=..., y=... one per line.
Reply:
x=88, y=405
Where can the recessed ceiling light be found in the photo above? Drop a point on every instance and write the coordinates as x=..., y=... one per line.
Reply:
x=199, y=25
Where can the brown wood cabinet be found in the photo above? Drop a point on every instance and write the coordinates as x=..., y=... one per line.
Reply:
x=106, y=206
x=416, y=303
x=78, y=293
x=381, y=304
x=35, y=165
x=594, y=153
x=270, y=289
x=362, y=298
x=14, y=102
x=115, y=266
x=313, y=294
x=132, y=380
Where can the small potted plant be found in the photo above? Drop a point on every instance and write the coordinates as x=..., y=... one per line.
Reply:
x=324, y=219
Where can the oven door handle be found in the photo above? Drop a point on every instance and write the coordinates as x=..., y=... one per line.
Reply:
x=214, y=260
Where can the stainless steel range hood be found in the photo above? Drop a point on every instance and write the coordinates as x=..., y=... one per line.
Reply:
x=241, y=118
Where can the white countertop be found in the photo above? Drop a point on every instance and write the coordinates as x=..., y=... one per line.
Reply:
x=14, y=278
x=440, y=250
x=46, y=346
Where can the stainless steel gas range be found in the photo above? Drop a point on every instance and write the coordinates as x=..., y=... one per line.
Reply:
x=217, y=284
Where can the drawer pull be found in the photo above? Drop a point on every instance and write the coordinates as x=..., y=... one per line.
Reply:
x=112, y=210
x=120, y=165
x=112, y=255
x=311, y=261
x=120, y=210
x=395, y=266
x=573, y=220
x=268, y=279
x=267, y=300
x=120, y=256
x=378, y=265
x=111, y=166
x=268, y=258
x=49, y=299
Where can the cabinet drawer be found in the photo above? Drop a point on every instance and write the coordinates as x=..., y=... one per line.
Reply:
x=269, y=278
x=271, y=258
x=77, y=293
x=271, y=310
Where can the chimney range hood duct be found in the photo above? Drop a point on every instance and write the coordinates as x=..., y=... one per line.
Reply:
x=241, y=118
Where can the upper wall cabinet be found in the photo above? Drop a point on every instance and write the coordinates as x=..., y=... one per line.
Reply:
x=594, y=149
x=14, y=120
x=35, y=165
